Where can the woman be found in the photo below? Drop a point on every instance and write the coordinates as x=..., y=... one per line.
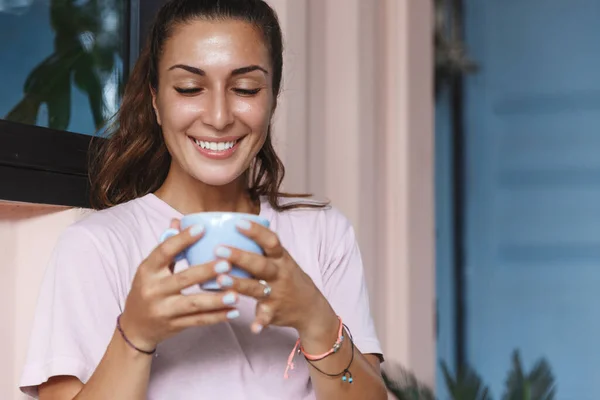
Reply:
x=194, y=135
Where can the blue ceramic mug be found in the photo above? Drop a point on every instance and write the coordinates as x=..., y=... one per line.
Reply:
x=219, y=229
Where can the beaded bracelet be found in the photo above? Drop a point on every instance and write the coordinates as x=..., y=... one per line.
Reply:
x=334, y=349
x=298, y=347
x=345, y=374
x=129, y=342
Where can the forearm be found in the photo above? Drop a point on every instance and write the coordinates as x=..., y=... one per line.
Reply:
x=123, y=374
x=366, y=382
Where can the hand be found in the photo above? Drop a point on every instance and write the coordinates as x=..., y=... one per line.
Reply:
x=294, y=301
x=155, y=308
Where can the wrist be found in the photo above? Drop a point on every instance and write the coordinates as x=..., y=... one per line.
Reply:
x=132, y=339
x=320, y=332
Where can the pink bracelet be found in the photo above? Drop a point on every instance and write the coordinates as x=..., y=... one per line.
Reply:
x=298, y=348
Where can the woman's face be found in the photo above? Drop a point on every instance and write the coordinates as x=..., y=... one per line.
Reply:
x=214, y=100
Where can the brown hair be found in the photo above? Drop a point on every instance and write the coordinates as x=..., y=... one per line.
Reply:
x=134, y=160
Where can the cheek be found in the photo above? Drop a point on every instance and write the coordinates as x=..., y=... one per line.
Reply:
x=255, y=114
x=178, y=113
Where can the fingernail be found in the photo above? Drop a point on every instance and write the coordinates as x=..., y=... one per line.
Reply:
x=257, y=328
x=221, y=267
x=229, y=299
x=225, y=281
x=242, y=223
x=197, y=229
x=233, y=314
x=223, y=252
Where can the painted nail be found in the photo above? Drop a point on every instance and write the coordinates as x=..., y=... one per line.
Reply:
x=256, y=328
x=197, y=229
x=225, y=281
x=229, y=299
x=223, y=252
x=233, y=314
x=242, y=223
x=221, y=267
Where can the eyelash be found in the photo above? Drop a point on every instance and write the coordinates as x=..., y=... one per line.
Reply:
x=243, y=92
x=187, y=90
x=247, y=92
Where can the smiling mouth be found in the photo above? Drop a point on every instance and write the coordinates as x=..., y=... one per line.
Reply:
x=215, y=146
x=217, y=150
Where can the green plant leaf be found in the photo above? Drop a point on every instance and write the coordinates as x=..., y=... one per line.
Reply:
x=536, y=385
x=59, y=106
x=542, y=381
x=88, y=81
x=467, y=385
x=25, y=111
x=49, y=79
x=404, y=385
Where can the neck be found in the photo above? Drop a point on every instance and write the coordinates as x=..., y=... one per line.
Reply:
x=188, y=195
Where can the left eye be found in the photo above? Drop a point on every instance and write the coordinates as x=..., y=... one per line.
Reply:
x=246, y=92
x=187, y=91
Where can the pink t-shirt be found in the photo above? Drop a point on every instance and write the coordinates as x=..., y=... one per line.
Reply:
x=90, y=273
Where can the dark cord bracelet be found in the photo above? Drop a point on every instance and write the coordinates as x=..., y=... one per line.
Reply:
x=345, y=374
x=129, y=342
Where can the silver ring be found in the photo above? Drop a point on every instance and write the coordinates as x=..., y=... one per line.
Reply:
x=266, y=288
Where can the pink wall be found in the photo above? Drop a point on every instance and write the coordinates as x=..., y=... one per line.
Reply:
x=27, y=235
x=360, y=73
x=355, y=124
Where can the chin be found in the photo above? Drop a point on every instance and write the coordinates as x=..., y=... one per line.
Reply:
x=217, y=178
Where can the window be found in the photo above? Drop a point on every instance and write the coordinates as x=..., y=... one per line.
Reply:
x=63, y=65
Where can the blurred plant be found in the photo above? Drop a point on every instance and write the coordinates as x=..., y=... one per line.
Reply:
x=536, y=385
x=450, y=54
x=86, y=45
x=404, y=385
x=468, y=385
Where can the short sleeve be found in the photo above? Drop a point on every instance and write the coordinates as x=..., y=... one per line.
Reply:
x=75, y=316
x=345, y=286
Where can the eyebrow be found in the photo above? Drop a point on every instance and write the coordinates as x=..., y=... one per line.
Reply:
x=237, y=71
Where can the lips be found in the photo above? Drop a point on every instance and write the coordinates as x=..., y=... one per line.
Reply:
x=215, y=146
x=216, y=149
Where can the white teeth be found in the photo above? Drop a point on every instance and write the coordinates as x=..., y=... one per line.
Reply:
x=215, y=146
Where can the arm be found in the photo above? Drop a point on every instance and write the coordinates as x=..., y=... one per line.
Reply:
x=154, y=310
x=123, y=373
x=296, y=302
x=367, y=382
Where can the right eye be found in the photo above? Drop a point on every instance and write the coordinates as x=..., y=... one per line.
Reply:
x=188, y=91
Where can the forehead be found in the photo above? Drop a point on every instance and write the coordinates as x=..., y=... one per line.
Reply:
x=224, y=44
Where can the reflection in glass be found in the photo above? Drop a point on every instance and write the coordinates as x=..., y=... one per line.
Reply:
x=61, y=62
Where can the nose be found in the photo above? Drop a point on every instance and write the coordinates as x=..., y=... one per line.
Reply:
x=218, y=112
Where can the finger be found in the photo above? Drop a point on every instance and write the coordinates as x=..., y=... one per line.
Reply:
x=246, y=287
x=165, y=253
x=203, y=319
x=263, y=236
x=256, y=265
x=201, y=303
x=264, y=316
x=194, y=275
x=175, y=224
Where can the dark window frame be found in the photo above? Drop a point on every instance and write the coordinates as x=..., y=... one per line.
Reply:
x=48, y=166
